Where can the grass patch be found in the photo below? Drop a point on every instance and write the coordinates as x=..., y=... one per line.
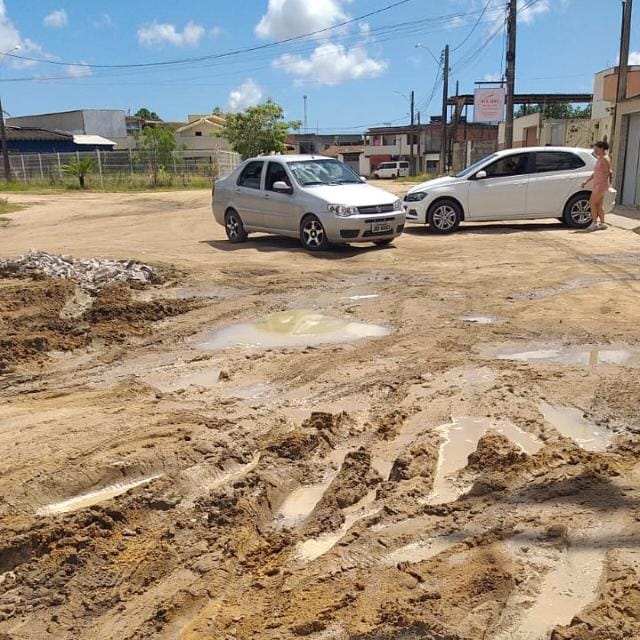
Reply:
x=112, y=184
x=9, y=207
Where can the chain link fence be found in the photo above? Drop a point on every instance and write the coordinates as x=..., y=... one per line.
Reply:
x=126, y=168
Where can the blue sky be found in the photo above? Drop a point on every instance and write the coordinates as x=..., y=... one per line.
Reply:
x=353, y=75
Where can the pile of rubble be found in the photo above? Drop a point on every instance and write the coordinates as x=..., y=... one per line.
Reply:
x=92, y=274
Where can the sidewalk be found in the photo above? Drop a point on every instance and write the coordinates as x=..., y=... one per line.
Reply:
x=625, y=218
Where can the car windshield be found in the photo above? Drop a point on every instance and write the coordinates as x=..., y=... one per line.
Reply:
x=471, y=168
x=313, y=172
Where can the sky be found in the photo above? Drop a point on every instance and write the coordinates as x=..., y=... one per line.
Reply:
x=354, y=75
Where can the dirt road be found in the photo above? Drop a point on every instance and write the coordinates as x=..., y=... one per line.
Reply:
x=458, y=460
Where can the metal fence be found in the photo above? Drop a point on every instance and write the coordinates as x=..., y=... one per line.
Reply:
x=121, y=166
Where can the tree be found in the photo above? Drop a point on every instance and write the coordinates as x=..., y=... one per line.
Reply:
x=258, y=130
x=145, y=114
x=79, y=169
x=155, y=147
x=559, y=111
x=217, y=111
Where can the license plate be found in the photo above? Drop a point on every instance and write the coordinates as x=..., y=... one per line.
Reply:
x=380, y=227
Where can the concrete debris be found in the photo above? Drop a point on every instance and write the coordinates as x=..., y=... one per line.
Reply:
x=91, y=274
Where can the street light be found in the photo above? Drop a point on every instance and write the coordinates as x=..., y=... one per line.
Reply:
x=3, y=131
x=419, y=45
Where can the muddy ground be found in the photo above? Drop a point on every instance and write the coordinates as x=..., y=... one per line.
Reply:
x=474, y=474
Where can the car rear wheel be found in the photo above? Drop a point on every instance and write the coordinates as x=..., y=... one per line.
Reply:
x=312, y=234
x=577, y=212
x=444, y=216
x=234, y=227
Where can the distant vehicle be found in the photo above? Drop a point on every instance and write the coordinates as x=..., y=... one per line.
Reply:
x=397, y=169
x=316, y=199
x=514, y=184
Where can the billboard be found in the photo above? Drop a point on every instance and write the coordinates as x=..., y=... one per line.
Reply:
x=488, y=105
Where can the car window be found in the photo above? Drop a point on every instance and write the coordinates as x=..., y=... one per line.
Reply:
x=275, y=173
x=250, y=176
x=322, y=171
x=513, y=165
x=404, y=165
x=472, y=168
x=556, y=161
x=385, y=165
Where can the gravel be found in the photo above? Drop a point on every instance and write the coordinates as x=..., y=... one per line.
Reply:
x=91, y=274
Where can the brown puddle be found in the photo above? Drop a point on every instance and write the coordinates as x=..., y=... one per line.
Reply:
x=571, y=355
x=293, y=328
x=460, y=440
x=94, y=497
x=572, y=424
x=421, y=550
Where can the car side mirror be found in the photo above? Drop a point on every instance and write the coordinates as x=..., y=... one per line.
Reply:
x=282, y=187
x=363, y=179
x=481, y=175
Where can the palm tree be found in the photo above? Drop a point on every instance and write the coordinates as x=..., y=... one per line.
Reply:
x=79, y=169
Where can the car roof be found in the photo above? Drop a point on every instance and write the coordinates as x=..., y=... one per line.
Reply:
x=506, y=152
x=293, y=157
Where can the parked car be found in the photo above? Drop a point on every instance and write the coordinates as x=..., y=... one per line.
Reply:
x=514, y=184
x=396, y=169
x=316, y=199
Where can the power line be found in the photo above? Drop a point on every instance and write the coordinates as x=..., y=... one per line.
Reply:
x=475, y=26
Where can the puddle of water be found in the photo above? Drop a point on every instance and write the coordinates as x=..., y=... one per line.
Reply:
x=293, y=328
x=170, y=381
x=301, y=502
x=571, y=423
x=94, y=497
x=315, y=547
x=421, y=550
x=365, y=296
x=567, y=589
x=479, y=319
x=585, y=355
x=460, y=440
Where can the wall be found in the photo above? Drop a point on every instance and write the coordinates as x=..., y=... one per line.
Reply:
x=625, y=110
x=519, y=130
x=610, y=87
x=109, y=123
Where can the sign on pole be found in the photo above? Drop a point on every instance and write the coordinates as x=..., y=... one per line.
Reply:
x=488, y=105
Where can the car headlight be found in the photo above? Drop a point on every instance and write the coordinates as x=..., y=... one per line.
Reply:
x=398, y=205
x=343, y=210
x=416, y=196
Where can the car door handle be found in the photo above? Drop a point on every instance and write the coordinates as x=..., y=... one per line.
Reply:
x=266, y=196
x=238, y=191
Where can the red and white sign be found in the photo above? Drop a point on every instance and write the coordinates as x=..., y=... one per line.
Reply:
x=488, y=105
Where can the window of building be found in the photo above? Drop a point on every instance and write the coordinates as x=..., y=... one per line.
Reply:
x=198, y=133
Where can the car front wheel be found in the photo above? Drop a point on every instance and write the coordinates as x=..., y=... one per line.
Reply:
x=444, y=216
x=577, y=212
x=312, y=234
x=234, y=227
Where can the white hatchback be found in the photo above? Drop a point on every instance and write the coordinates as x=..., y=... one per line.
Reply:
x=514, y=184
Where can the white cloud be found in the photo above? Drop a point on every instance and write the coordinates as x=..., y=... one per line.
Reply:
x=529, y=15
x=157, y=34
x=56, y=19
x=215, y=32
x=634, y=57
x=246, y=95
x=10, y=38
x=290, y=18
x=79, y=70
x=492, y=77
x=102, y=22
x=331, y=64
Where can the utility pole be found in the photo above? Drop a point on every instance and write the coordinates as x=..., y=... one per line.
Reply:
x=419, y=168
x=5, y=148
x=511, y=72
x=623, y=65
x=445, y=98
x=411, y=140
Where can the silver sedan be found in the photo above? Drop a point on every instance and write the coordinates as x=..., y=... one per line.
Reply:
x=314, y=198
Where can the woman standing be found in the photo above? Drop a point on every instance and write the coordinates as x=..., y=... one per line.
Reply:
x=601, y=177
